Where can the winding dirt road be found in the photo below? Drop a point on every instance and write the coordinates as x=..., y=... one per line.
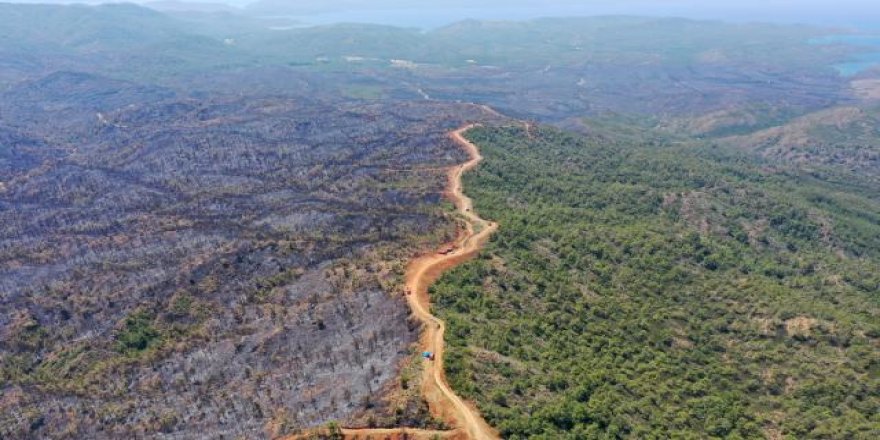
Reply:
x=421, y=273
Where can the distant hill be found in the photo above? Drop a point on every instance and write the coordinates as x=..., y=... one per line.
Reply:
x=840, y=136
x=306, y=7
x=122, y=40
x=183, y=6
x=83, y=27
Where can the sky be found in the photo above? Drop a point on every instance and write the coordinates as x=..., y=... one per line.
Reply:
x=862, y=13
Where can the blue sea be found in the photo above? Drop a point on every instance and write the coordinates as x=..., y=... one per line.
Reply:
x=861, y=61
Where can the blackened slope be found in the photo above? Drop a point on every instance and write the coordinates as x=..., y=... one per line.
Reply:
x=227, y=270
x=69, y=103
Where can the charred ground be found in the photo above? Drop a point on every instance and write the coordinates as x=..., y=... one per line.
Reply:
x=209, y=267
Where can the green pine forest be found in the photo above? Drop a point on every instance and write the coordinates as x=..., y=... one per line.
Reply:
x=638, y=289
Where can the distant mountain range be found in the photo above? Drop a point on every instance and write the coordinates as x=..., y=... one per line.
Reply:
x=298, y=7
x=860, y=13
x=183, y=6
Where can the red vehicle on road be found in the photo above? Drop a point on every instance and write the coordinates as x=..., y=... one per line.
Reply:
x=447, y=250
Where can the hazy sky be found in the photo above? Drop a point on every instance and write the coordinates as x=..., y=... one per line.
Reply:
x=832, y=12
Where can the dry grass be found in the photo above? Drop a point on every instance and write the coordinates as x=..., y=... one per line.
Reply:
x=800, y=325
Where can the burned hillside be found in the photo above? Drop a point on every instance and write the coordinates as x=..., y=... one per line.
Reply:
x=210, y=267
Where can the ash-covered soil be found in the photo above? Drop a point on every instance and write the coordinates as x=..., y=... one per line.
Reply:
x=181, y=268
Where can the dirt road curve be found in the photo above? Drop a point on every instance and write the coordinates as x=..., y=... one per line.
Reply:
x=424, y=271
x=420, y=274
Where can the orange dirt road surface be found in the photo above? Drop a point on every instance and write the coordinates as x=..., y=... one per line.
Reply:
x=422, y=272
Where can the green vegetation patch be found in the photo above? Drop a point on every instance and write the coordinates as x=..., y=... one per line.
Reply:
x=637, y=290
x=137, y=334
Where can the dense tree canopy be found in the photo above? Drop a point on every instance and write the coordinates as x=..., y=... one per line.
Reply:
x=651, y=291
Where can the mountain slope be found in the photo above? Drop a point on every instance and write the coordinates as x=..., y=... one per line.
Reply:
x=221, y=268
x=845, y=137
x=82, y=27
x=122, y=40
x=640, y=291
